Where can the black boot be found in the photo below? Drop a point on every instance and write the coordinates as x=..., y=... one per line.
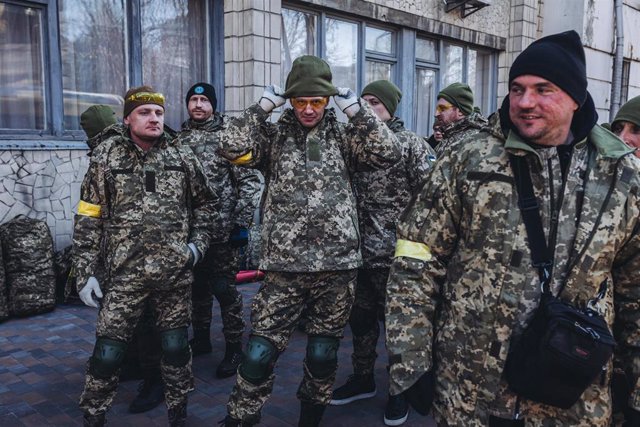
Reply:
x=229, y=421
x=150, y=395
x=178, y=415
x=232, y=359
x=310, y=414
x=94, y=420
x=201, y=343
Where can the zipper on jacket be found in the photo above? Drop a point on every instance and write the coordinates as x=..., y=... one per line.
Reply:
x=516, y=411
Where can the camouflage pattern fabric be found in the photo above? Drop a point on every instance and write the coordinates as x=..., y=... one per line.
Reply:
x=462, y=283
x=138, y=211
x=368, y=304
x=28, y=265
x=457, y=131
x=239, y=190
x=4, y=306
x=382, y=195
x=327, y=297
x=219, y=264
x=309, y=211
x=117, y=320
x=150, y=206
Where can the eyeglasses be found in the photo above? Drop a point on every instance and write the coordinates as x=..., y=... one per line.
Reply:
x=441, y=108
x=156, y=98
x=316, y=103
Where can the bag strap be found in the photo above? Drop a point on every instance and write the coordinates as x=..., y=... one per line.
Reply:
x=530, y=209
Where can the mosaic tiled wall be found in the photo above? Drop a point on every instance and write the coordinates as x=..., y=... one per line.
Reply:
x=43, y=185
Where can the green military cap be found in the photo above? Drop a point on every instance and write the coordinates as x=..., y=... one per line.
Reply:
x=96, y=118
x=460, y=95
x=629, y=112
x=309, y=76
x=388, y=93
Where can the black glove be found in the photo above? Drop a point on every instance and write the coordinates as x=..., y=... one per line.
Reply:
x=239, y=236
x=420, y=395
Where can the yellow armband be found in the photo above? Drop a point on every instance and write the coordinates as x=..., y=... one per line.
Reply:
x=243, y=160
x=409, y=249
x=88, y=209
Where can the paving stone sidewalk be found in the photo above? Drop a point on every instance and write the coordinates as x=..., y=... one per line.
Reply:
x=42, y=363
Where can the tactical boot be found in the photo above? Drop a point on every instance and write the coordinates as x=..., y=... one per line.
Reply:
x=232, y=359
x=150, y=395
x=357, y=387
x=397, y=410
x=310, y=414
x=201, y=343
x=178, y=415
x=94, y=420
x=229, y=421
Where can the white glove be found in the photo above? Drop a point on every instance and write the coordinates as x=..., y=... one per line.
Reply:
x=347, y=101
x=86, y=293
x=196, y=253
x=272, y=98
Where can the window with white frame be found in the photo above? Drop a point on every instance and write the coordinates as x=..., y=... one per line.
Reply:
x=60, y=57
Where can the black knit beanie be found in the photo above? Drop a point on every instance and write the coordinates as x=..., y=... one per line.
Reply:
x=309, y=76
x=388, y=93
x=204, y=89
x=459, y=95
x=558, y=58
x=629, y=112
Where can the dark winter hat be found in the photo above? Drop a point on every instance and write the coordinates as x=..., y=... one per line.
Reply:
x=629, y=112
x=309, y=76
x=460, y=95
x=558, y=58
x=388, y=93
x=137, y=96
x=96, y=118
x=203, y=89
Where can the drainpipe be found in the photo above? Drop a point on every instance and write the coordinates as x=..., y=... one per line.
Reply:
x=616, y=84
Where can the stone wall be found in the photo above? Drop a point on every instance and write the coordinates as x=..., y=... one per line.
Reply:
x=44, y=185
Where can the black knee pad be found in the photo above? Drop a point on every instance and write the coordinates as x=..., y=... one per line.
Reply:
x=107, y=357
x=362, y=321
x=175, y=346
x=322, y=355
x=223, y=291
x=259, y=360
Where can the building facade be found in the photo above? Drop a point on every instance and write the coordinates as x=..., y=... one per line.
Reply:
x=58, y=57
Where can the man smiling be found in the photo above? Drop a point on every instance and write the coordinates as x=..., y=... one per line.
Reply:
x=463, y=285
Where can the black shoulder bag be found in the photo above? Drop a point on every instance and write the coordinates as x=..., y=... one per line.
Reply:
x=564, y=348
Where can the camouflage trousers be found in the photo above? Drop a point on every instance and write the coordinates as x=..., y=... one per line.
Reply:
x=327, y=298
x=215, y=276
x=368, y=308
x=117, y=320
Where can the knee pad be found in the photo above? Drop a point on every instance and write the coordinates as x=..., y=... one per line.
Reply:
x=362, y=321
x=322, y=355
x=107, y=357
x=259, y=360
x=175, y=346
x=223, y=291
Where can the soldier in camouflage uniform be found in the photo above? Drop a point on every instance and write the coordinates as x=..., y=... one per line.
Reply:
x=382, y=196
x=462, y=284
x=456, y=118
x=237, y=188
x=310, y=239
x=626, y=124
x=148, y=202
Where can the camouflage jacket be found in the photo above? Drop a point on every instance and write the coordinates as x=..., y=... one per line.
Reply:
x=144, y=208
x=238, y=188
x=459, y=130
x=309, y=209
x=383, y=194
x=462, y=284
